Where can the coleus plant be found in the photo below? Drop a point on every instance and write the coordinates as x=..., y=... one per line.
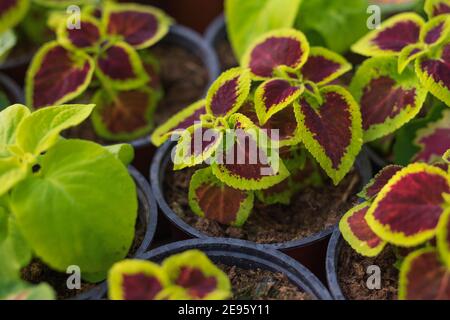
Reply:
x=105, y=46
x=185, y=276
x=293, y=97
x=66, y=202
x=407, y=207
x=410, y=57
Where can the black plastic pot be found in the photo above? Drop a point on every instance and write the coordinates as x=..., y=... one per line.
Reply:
x=148, y=215
x=216, y=31
x=193, y=42
x=310, y=251
x=12, y=90
x=332, y=260
x=246, y=255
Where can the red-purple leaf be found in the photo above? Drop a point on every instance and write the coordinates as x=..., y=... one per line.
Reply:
x=372, y=189
x=407, y=210
x=195, y=282
x=126, y=116
x=136, y=280
x=286, y=122
x=435, y=31
x=388, y=99
x=324, y=66
x=179, y=122
x=228, y=92
x=57, y=75
x=121, y=67
x=331, y=130
x=434, y=140
x=196, y=145
x=393, y=35
x=138, y=25
x=434, y=72
x=249, y=160
x=194, y=274
x=424, y=277
x=273, y=95
x=357, y=232
x=279, y=48
x=210, y=198
x=435, y=8
x=86, y=37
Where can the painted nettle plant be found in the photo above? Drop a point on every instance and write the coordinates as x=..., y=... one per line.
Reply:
x=45, y=209
x=407, y=207
x=409, y=58
x=283, y=84
x=101, y=59
x=11, y=14
x=189, y=275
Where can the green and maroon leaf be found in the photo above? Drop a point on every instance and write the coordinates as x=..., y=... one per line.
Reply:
x=331, y=130
x=120, y=66
x=446, y=156
x=324, y=66
x=273, y=95
x=228, y=92
x=139, y=25
x=435, y=31
x=388, y=99
x=434, y=140
x=393, y=35
x=126, y=116
x=424, y=277
x=279, y=48
x=371, y=190
x=57, y=75
x=196, y=145
x=248, y=159
x=357, y=232
x=408, y=208
x=443, y=237
x=212, y=199
x=435, y=8
x=136, y=280
x=434, y=72
x=12, y=12
x=87, y=37
x=409, y=54
x=179, y=122
x=197, y=275
x=286, y=122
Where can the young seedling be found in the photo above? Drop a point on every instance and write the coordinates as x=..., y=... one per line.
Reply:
x=106, y=47
x=407, y=207
x=292, y=107
x=410, y=57
x=66, y=202
x=186, y=276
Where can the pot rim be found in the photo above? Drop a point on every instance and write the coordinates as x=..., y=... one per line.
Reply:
x=157, y=175
x=215, y=29
x=331, y=264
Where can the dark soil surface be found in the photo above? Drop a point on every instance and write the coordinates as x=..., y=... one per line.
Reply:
x=352, y=274
x=311, y=211
x=37, y=272
x=262, y=285
x=184, y=80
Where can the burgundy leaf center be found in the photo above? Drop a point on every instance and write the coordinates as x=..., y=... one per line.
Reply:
x=381, y=100
x=225, y=97
x=140, y=286
x=439, y=69
x=115, y=63
x=318, y=68
x=135, y=27
x=197, y=284
x=276, y=92
x=330, y=126
x=398, y=36
x=361, y=229
x=434, y=34
x=84, y=37
x=414, y=204
x=273, y=52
